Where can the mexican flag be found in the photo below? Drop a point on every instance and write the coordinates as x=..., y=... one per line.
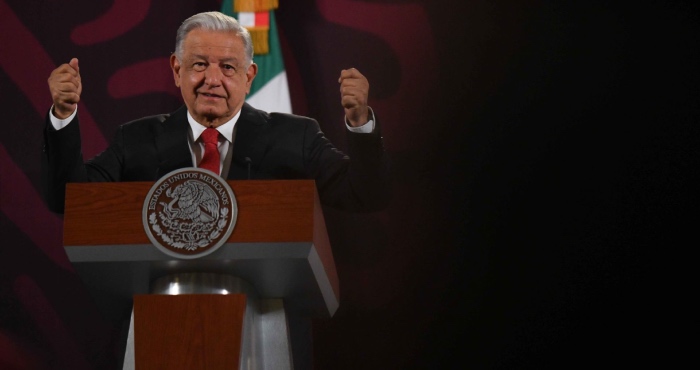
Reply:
x=270, y=91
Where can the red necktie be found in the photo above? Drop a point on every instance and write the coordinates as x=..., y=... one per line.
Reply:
x=210, y=159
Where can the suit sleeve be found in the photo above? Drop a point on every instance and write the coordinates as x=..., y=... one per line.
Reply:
x=358, y=181
x=62, y=162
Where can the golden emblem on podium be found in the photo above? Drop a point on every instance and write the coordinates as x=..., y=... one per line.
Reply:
x=189, y=213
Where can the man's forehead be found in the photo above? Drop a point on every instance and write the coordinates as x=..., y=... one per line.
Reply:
x=206, y=56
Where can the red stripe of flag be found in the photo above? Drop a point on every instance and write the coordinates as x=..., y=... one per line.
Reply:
x=262, y=19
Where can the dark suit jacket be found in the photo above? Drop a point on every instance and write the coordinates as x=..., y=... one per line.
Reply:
x=280, y=146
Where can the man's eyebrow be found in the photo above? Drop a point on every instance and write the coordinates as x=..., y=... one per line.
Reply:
x=194, y=57
x=206, y=57
x=232, y=60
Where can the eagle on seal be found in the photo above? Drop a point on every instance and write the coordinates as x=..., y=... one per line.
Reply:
x=195, y=202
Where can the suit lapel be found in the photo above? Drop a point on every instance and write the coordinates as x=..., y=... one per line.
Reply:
x=249, y=142
x=171, y=143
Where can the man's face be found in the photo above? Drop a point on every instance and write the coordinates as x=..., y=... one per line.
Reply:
x=212, y=75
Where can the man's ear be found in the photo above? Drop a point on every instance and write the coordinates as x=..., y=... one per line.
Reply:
x=250, y=75
x=175, y=66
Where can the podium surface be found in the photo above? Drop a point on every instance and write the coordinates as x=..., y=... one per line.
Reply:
x=279, y=244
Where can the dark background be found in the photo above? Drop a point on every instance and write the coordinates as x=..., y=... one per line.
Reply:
x=543, y=155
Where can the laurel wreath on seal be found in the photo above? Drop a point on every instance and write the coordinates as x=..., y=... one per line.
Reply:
x=188, y=236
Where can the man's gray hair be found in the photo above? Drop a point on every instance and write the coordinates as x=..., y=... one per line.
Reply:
x=213, y=21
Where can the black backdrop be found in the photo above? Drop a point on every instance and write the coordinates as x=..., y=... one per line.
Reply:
x=542, y=152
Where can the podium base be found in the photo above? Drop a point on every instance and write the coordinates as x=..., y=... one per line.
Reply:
x=265, y=337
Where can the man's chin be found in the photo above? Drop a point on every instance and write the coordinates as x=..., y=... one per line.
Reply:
x=211, y=115
x=208, y=110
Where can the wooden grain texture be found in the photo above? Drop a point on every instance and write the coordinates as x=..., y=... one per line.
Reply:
x=192, y=331
x=111, y=213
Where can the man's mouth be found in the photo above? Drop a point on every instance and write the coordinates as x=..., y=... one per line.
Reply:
x=210, y=95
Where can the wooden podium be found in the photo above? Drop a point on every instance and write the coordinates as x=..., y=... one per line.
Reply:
x=277, y=259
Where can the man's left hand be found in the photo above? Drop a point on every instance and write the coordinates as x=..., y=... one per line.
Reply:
x=354, y=89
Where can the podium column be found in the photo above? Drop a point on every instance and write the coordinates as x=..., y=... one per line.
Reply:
x=207, y=321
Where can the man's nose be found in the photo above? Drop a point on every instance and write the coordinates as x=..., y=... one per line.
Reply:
x=213, y=75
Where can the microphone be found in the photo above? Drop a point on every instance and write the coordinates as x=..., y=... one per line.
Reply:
x=248, y=161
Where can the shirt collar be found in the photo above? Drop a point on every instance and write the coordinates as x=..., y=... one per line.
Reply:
x=226, y=130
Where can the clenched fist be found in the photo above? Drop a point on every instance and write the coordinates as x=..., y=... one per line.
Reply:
x=354, y=89
x=65, y=87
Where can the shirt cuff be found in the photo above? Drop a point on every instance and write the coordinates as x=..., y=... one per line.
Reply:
x=367, y=128
x=58, y=123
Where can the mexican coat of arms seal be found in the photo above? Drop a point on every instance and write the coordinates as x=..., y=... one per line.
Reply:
x=189, y=213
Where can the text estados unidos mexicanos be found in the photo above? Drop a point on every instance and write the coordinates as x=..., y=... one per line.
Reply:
x=188, y=175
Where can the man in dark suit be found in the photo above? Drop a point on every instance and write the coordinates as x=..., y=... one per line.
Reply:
x=213, y=67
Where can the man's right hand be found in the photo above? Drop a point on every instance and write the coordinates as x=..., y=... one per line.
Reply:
x=65, y=87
